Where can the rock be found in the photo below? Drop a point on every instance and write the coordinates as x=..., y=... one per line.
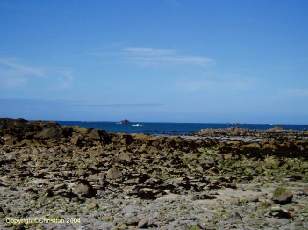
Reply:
x=295, y=177
x=5, y=181
x=126, y=139
x=49, y=133
x=114, y=173
x=92, y=205
x=49, y=192
x=83, y=189
x=251, y=148
x=203, y=196
x=282, y=196
x=132, y=221
x=93, y=135
x=148, y=193
x=143, y=223
x=279, y=212
x=80, y=130
x=125, y=156
x=67, y=131
x=77, y=140
x=305, y=191
x=9, y=139
x=59, y=186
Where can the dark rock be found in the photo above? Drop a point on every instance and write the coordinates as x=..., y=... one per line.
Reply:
x=126, y=139
x=279, y=212
x=67, y=131
x=203, y=196
x=50, y=192
x=148, y=193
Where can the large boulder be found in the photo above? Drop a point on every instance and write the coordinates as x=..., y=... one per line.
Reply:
x=282, y=196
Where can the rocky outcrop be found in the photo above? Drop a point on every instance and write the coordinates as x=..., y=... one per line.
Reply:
x=21, y=132
x=48, y=167
x=236, y=141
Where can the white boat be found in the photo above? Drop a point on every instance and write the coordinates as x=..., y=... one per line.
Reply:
x=137, y=125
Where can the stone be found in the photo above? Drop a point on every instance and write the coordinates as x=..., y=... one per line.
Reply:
x=148, y=193
x=9, y=139
x=304, y=191
x=126, y=139
x=203, y=196
x=77, y=140
x=92, y=205
x=114, y=173
x=125, y=156
x=282, y=196
x=80, y=130
x=143, y=223
x=279, y=212
x=83, y=189
x=67, y=131
x=49, y=133
x=59, y=186
x=93, y=135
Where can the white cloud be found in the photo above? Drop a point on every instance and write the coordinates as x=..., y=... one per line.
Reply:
x=146, y=56
x=15, y=74
x=19, y=69
x=153, y=56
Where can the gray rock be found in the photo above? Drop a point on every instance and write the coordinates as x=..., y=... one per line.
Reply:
x=114, y=173
x=282, y=196
x=143, y=223
x=83, y=189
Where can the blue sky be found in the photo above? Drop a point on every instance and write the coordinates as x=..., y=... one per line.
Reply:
x=158, y=60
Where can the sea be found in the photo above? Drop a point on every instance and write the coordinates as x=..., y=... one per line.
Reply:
x=171, y=128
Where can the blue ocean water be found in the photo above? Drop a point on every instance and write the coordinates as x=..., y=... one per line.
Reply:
x=169, y=128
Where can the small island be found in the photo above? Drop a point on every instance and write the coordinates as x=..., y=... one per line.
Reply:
x=124, y=122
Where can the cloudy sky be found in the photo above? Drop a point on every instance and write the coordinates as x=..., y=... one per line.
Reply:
x=158, y=60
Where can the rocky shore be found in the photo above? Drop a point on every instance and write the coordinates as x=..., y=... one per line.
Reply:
x=214, y=179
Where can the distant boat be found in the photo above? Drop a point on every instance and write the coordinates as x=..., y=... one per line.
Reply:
x=137, y=125
x=124, y=122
